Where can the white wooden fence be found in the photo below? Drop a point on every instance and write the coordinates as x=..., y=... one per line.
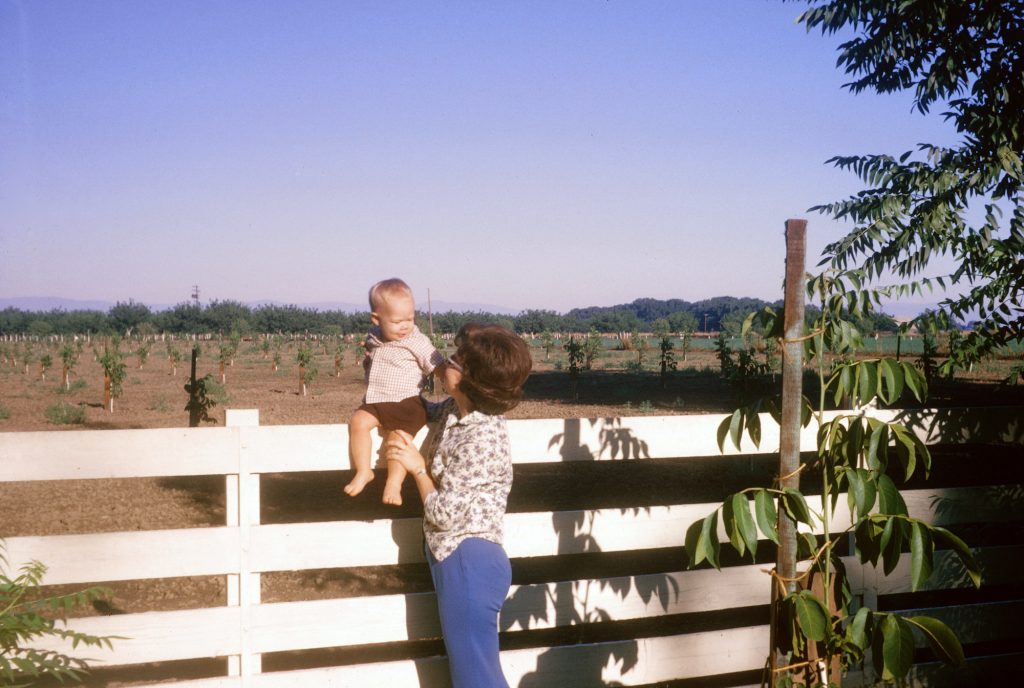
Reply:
x=243, y=549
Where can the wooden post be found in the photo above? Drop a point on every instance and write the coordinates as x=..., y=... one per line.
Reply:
x=242, y=510
x=193, y=407
x=108, y=399
x=792, y=378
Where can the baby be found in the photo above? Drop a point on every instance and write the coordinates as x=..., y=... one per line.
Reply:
x=398, y=359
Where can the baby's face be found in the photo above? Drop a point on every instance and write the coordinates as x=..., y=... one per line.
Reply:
x=395, y=317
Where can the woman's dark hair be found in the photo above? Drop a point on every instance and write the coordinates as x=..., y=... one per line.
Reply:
x=495, y=364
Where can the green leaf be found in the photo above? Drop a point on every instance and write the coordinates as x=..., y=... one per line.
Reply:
x=858, y=631
x=744, y=522
x=892, y=547
x=732, y=529
x=922, y=549
x=844, y=384
x=754, y=428
x=806, y=545
x=892, y=373
x=861, y=495
x=915, y=381
x=747, y=323
x=878, y=445
x=906, y=449
x=897, y=647
x=868, y=381
x=723, y=431
x=812, y=615
x=767, y=516
x=709, y=538
x=736, y=427
x=941, y=639
x=702, y=540
x=962, y=551
x=796, y=506
x=890, y=501
x=693, y=549
x=854, y=441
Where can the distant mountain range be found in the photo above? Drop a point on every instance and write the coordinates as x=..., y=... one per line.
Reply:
x=43, y=304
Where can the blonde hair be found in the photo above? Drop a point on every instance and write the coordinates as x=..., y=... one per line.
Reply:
x=386, y=289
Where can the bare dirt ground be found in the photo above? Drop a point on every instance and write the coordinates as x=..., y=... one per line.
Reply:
x=154, y=397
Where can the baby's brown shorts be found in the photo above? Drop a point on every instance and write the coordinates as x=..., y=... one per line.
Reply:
x=408, y=414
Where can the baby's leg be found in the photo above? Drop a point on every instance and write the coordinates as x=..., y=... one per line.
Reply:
x=393, y=486
x=360, y=426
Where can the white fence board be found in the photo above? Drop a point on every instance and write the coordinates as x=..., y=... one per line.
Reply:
x=627, y=663
x=547, y=605
x=98, y=557
x=202, y=451
x=286, y=626
x=80, y=454
x=159, y=636
x=341, y=544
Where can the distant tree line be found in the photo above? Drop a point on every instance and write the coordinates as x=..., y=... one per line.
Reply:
x=723, y=313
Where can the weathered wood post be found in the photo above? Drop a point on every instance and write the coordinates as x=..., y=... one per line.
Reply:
x=792, y=379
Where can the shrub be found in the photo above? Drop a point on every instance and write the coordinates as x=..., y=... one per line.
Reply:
x=5, y=412
x=199, y=399
x=217, y=392
x=65, y=414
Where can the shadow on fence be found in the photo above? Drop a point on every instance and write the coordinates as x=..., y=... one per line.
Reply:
x=571, y=601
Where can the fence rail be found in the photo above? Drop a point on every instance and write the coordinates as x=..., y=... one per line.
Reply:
x=718, y=618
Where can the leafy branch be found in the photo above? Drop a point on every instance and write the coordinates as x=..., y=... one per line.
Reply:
x=27, y=617
x=856, y=454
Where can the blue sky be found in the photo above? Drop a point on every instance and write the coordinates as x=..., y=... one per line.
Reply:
x=521, y=154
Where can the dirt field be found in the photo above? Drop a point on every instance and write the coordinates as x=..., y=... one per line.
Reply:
x=154, y=397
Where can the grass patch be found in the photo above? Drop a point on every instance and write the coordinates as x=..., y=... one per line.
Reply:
x=160, y=403
x=65, y=414
x=76, y=386
x=5, y=412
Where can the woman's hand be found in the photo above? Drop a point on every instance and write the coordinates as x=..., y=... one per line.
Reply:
x=399, y=447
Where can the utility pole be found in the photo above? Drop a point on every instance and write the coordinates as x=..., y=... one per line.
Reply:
x=430, y=314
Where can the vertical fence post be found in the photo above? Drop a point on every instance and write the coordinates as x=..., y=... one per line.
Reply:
x=792, y=381
x=243, y=511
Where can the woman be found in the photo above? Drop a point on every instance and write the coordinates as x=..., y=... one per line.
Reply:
x=464, y=483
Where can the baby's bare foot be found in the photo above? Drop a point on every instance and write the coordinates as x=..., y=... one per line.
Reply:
x=392, y=494
x=358, y=483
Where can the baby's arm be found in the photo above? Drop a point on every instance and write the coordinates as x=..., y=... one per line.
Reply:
x=426, y=354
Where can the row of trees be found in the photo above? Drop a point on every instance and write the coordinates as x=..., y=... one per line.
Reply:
x=649, y=315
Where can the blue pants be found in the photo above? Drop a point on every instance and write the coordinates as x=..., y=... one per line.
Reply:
x=471, y=585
